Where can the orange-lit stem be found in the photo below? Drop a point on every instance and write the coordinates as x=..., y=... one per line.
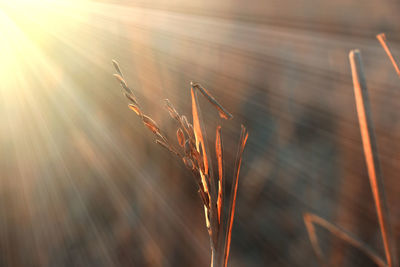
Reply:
x=207, y=177
x=371, y=155
x=382, y=39
x=218, y=150
x=311, y=219
x=222, y=111
x=243, y=139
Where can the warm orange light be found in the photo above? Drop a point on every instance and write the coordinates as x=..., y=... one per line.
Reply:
x=28, y=26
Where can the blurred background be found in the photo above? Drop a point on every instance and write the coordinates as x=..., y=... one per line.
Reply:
x=82, y=182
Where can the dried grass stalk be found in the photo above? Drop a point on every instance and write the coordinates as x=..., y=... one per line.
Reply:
x=232, y=203
x=382, y=39
x=206, y=174
x=311, y=219
x=220, y=160
x=371, y=155
x=222, y=111
x=193, y=151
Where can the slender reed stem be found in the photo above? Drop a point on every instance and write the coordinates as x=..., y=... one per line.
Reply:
x=311, y=219
x=371, y=155
x=382, y=39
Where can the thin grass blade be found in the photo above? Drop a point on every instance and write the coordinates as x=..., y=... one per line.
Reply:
x=311, y=219
x=382, y=39
x=220, y=161
x=232, y=203
x=371, y=155
x=198, y=133
x=222, y=111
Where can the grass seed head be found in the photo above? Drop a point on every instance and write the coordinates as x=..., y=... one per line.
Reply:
x=136, y=109
x=181, y=137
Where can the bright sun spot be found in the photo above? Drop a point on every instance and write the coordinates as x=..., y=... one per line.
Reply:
x=27, y=27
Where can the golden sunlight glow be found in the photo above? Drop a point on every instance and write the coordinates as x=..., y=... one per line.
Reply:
x=27, y=27
x=38, y=17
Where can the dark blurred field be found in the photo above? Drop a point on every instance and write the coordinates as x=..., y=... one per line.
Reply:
x=83, y=183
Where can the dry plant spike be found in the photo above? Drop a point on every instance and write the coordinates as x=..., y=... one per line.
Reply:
x=311, y=219
x=185, y=123
x=382, y=39
x=153, y=126
x=172, y=111
x=123, y=83
x=371, y=155
x=188, y=127
x=131, y=98
x=181, y=137
x=194, y=153
x=121, y=80
x=207, y=177
x=136, y=109
x=222, y=111
x=117, y=68
x=232, y=203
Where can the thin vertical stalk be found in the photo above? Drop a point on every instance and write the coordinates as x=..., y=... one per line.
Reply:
x=232, y=203
x=221, y=195
x=371, y=155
